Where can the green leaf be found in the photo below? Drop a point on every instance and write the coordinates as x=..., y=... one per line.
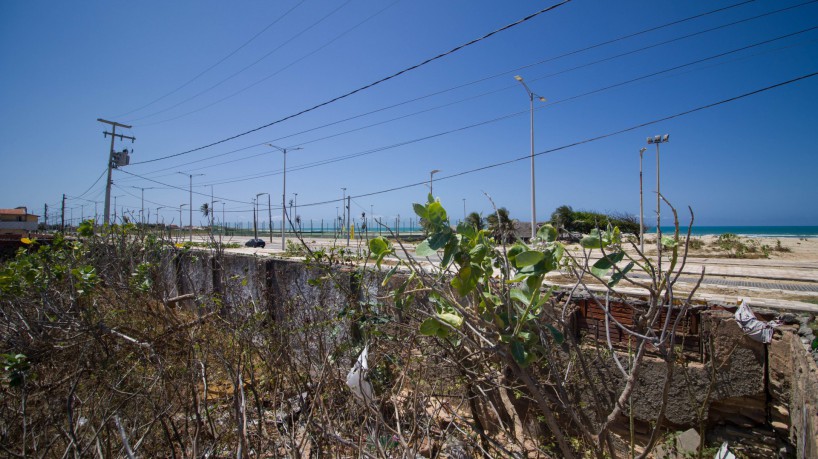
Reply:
x=449, y=251
x=465, y=281
x=420, y=210
x=515, y=250
x=466, y=230
x=452, y=319
x=478, y=252
x=429, y=327
x=520, y=296
x=669, y=241
x=389, y=275
x=559, y=338
x=438, y=240
x=528, y=258
x=518, y=352
x=547, y=233
x=591, y=242
x=378, y=245
x=605, y=263
x=620, y=274
x=424, y=250
x=435, y=213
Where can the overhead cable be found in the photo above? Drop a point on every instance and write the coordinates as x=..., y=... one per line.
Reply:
x=362, y=88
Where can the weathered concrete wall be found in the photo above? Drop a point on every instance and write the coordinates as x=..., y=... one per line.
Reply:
x=794, y=391
x=744, y=396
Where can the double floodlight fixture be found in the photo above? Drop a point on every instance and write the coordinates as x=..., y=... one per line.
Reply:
x=659, y=138
x=531, y=93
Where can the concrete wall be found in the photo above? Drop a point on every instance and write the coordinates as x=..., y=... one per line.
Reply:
x=794, y=391
x=758, y=394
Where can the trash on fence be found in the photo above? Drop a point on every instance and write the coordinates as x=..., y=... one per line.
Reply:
x=358, y=379
x=752, y=327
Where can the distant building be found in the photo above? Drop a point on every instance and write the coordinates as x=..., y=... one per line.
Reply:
x=17, y=221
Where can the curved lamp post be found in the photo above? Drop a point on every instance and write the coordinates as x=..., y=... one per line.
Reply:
x=533, y=199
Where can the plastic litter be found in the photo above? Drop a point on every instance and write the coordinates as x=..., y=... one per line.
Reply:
x=724, y=453
x=752, y=327
x=358, y=381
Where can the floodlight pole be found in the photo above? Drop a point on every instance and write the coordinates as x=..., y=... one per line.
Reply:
x=657, y=140
x=533, y=197
x=432, y=180
x=268, y=208
x=641, y=207
x=142, y=212
x=190, y=208
x=283, y=193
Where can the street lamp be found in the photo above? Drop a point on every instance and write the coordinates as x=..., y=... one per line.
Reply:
x=343, y=206
x=295, y=211
x=657, y=139
x=284, y=190
x=190, y=208
x=180, y=217
x=255, y=226
x=268, y=211
x=157, y=214
x=432, y=179
x=533, y=199
x=142, y=212
x=641, y=208
x=117, y=196
x=213, y=214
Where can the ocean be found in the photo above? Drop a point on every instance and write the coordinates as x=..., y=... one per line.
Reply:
x=751, y=231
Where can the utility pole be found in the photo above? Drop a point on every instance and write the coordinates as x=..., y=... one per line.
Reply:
x=62, y=218
x=270, y=217
x=349, y=220
x=142, y=212
x=190, y=202
x=45, y=215
x=108, y=184
x=343, y=206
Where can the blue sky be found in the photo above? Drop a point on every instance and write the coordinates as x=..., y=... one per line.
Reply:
x=748, y=162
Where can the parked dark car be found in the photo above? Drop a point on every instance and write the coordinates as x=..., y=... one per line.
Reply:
x=255, y=243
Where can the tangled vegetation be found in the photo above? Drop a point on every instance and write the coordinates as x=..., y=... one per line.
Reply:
x=107, y=353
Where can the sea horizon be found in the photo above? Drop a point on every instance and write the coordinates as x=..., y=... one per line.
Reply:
x=750, y=230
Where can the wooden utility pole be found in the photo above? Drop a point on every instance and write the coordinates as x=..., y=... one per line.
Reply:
x=45, y=216
x=109, y=182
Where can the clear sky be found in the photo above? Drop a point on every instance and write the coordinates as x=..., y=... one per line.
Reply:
x=187, y=74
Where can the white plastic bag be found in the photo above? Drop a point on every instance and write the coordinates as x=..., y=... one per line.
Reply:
x=752, y=327
x=724, y=453
x=357, y=379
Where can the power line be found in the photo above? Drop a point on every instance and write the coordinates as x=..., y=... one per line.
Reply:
x=217, y=62
x=291, y=64
x=515, y=70
x=365, y=87
x=182, y=189
x=585, y=141
x=500, y=118
x=233, y=75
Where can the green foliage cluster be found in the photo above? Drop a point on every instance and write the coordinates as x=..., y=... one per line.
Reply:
x=473, y=255
x=581, y=221
x=738, y=247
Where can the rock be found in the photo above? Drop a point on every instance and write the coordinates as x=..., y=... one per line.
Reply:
x=780, y=427
x=788, y=318
x=688, y=442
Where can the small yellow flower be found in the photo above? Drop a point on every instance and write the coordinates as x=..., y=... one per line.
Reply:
x=26, y=240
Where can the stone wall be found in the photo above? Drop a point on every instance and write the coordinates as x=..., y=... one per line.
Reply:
x=760, y=396
x=794, y=391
